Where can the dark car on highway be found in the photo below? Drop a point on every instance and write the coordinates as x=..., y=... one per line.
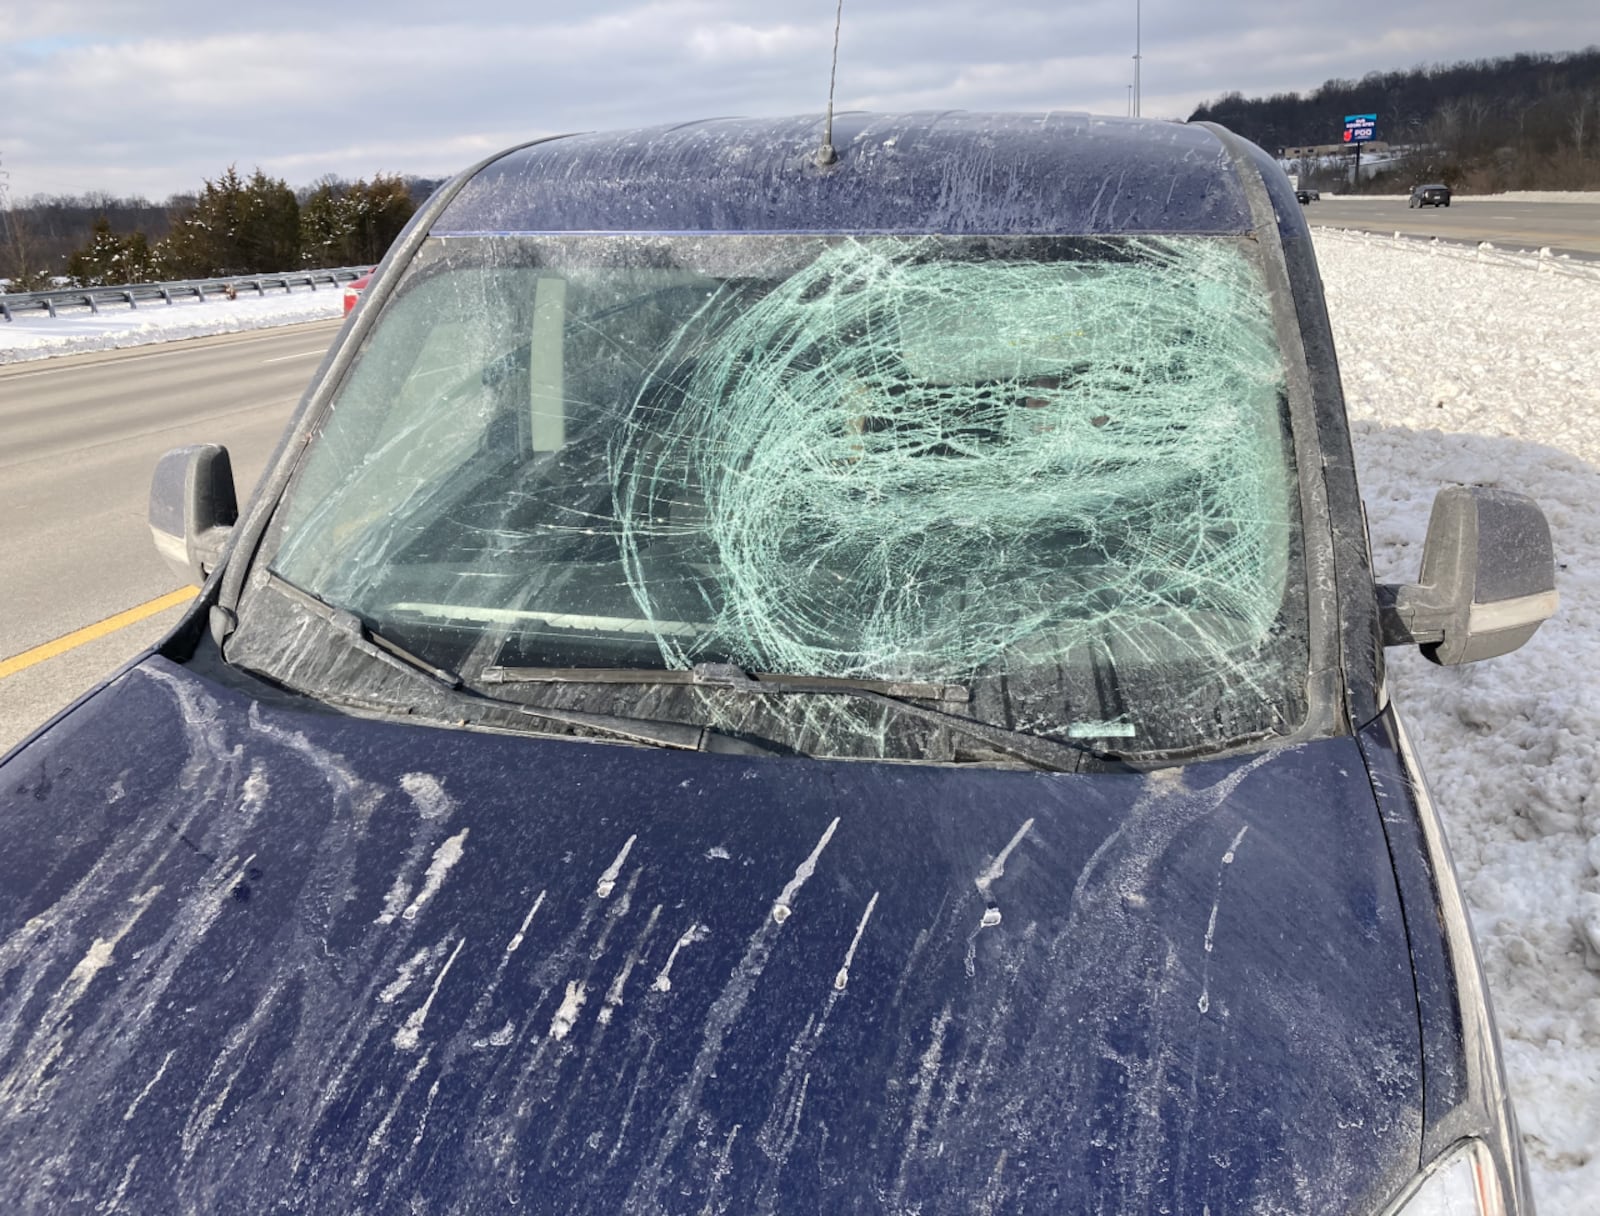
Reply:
x=781, y=673
x=1435, y=195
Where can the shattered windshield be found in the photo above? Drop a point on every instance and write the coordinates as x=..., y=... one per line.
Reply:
x=1052, y=475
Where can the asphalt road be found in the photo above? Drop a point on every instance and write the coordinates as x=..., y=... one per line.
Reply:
x=79, y=438
x=1565, y=227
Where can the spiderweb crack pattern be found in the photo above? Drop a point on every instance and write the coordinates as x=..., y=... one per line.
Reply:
x=899, y=465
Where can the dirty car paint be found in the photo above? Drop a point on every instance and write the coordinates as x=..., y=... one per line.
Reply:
x=951, y=173
x=330, y=963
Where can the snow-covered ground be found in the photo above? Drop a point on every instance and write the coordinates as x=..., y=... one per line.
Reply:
x=1543, y=261
x=1460, y=366
x=117, y=326
x=1487, y=371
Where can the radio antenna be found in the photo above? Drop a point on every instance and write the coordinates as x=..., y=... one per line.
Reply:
x=826, y=154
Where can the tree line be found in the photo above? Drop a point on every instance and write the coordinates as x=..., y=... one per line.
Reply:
x=235, y=225
x=1523, y=122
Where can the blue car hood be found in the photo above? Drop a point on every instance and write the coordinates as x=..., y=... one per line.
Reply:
x=261, y=955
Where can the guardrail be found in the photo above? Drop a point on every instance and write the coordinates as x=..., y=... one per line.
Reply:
x=131, y=294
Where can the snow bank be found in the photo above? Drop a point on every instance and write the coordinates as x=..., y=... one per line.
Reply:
x=1544, y=261
x=1495, y=384
x=41, y=337
x=1533, y=196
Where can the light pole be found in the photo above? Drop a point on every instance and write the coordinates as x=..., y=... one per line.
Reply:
x=1137, y=48
x=1130, y=101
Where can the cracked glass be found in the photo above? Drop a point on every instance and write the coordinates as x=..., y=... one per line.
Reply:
x=1051, y=478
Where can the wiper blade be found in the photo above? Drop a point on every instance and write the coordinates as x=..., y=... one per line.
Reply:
x=681, y=736
x=707, y=673
x=1056, y=755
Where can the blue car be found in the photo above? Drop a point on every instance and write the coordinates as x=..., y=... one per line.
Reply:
x=781, y=674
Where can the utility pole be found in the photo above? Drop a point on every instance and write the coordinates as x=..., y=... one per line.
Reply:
x=1138, y=97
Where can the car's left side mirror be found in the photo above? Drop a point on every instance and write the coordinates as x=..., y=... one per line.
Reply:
x=1488, y=578
x=193, y=508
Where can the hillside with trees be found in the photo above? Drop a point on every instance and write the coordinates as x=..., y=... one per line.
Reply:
x=1526, y=122
x=235, y=225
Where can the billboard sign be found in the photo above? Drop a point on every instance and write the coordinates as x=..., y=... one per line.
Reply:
x=1360, y=128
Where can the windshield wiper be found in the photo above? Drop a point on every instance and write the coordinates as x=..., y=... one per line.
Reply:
x=704, y=673
x=681, y=736
x=1055, y=755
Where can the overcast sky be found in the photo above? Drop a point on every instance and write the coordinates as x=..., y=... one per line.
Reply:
x=153, y=96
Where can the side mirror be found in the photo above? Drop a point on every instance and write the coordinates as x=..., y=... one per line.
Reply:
x=1488, y=578
x=193, y=508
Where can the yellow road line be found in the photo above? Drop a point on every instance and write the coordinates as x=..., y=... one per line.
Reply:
x=89, y=633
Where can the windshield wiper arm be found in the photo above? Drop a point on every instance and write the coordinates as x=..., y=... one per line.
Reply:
x=1056, y=755
x=1052, y=754
x=680, y=736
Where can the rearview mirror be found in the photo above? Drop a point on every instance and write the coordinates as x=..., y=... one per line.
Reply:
x=1488, y=578
x=193, y=508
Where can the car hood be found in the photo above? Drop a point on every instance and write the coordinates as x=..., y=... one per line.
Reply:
x=336, y=964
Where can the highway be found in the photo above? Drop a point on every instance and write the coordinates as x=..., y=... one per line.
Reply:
x=1566, y=227
x=79, y=438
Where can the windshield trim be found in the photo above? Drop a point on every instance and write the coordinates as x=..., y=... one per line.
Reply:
x=1325, y=685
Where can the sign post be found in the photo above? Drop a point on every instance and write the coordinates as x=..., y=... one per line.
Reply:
x=1359, y=129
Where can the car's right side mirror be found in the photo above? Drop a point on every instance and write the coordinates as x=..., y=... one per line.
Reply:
x=1488, y=578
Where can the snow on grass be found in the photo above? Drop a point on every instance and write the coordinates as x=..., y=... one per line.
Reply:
x=1468, y=371
x=40, y=337
x=1543, y=261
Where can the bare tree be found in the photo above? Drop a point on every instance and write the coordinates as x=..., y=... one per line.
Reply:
x=16, y=246
x=1579, y=120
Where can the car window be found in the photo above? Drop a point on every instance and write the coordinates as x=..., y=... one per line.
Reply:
x=1053, y=472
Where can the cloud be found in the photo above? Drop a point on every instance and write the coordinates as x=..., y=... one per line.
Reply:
x=152, y=97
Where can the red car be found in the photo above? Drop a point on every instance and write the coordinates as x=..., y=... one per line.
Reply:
x=352, y=291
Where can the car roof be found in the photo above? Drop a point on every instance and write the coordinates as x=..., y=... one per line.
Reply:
x=948, y=172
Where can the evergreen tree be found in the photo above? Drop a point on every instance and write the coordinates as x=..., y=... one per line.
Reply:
x=235, y=228
x=269, y=228
x=349, y=224
x=109, y=258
